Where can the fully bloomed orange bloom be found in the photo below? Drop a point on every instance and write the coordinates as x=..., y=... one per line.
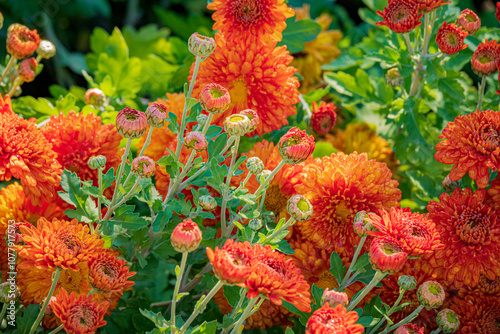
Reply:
x=416, y=233
x=401, y=16
x=232, y=263
x=470, y=232
x=327, y=320
x=59, y=243
x=257, y=77
x=25, y=154
x=5, y=104
x=472, y=145
x=277, y=278
x=261, y=20
x=79, y=315
x=427, y=6
x=109, y=274
x=338, y=187
x=477, y=313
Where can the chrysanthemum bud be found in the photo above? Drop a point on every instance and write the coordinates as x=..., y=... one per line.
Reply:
x=255, y=165
x=269, y=218
x=387, y=255
x=486, y=58
x=22, y=42
x=207, y=202
x=196, y=140
x=360, y=225
x=186, y=236
x=323, y=117
x=46, y=49
x=26, y=69
x=233, y=263
x=393, y=78
x=334, y=298
x=95, y=97
x=450, y=38
x=299, y=208
x=201, y=46
x=255, y=224
x=214, y=98
x=262, y=176
x=253, y=117
x=448, y=321
x=469, y=21
x=143, y=166
x=97, y=161
x=202, y=119
x=296, y=146
x=236, y=125
x=131, y=123
x=409, y=329
x=449, y=186
x=407, y=282
x=431, y=294
x=156, y=114
x=8, y=292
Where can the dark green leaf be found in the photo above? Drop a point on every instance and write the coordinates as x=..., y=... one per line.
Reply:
x=336, y=267
x=215, y=147
x=298, y=32
x=125, y=217
x=206, y=328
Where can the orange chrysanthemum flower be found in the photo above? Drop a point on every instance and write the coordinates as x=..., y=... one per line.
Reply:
x=59, y=243
x=257, y=77
x=477, y=313
x=232, y=263
x=261, y=20
x=416, y=233
x=277, y=278
x=493, y=192
x=489, y=287
x=470, y=232
x=486, y=58
x=77, y=137
x=450, y=38
x=25, y=154
x=338, y=187
x=360, y=137
x=387, y=254
x=427, y=6
x=22, y=42
x=79, y=315
x=5, y=104
x=333, y=320
x=471, y=145
x=109, y=274
x=400, y=16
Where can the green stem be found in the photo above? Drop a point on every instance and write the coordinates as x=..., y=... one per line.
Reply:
x=408, y=43
x=4, y=310
x=406, y=320
x=147, y=142
x=376, y=278
x=382, y=320
x=353, y=263
x=55, y=279
x=290, y=222
x=240, y=301
x=120, y=171
x=244, y=316
x=11, y=62
x=437, y=331
x=234, y=153
x=242, y=185
x=427, y=34
x=176, y=290
x=201, y=306
x=123, y=200
x=99, y=184
x=269, y=178
x=481, y=93
x=17, y=82
x=57, y=329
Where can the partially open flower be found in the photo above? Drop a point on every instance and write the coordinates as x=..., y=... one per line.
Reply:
x=156, y=114
x=409, y=329
x=450, y=38
x=447, y=320
x=214, y=98
x=46, y=49
x=427, y=6
x=407, y=282
x=255, y=165
x=143, y=166
x=22, y=42
x=486, y=58
x=201, y=46
x=98, y=161
x=400, y=16
x=253, y=117
x=131, y=123
x=186, y=236
x=236, y=125
x=196, y=140
x=469, y=21
x=233, y=263
x=299, y=208
x=334, y=298
x=333, y=320
x=361, y=226
x=393, y=77
x=26, y=69
x=95, y=97
x=207, y=202
x=431, y=294
x=387, y=255
x=323, y=117
x=296, y=146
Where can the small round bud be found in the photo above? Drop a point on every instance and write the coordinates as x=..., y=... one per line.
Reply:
x=207, y=202
x=22, y=42
x=409, y=329
x=431, y=294
x=202, y=119
x=334, y=298
x=236, y=125
x=97, y=161
x=156, y=114
x=448, y=321
x=26, y=69
x=469, y=21
x=143, y=166
x=269, y=218
x=131, y=123
x=214, y=98
x=262, y=176
x=201, y=46
x=393, y=77
x=360, y=225
x=196, y=140
x=253, y=117
x=255, y=165
x=449, y=186
x=255, y=224
x=8, y=292
x=296, y=146
x=407, y=282
x=299, y=208
x=46, y=49
x=186, y=236
x=95, y=97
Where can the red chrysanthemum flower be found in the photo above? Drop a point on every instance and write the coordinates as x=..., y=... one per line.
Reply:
x=497, y=13
x=79, y=315
x=471, y=145
x=109, y=274
x=450, y=38
x=427, y=6
x=296, y=146
x=416, y=233
x=323, y=117
x=338, y=187
x=470, y=232
x=26, y=155
x=277, y=278
x=257, y=77
x=387, y=254
x=333, y=320
x=400, y=16
x=493, y=192
x=486, y=58
x=232, y=263
x=409, y=329
x=59, y=243
x=469, y=21
x=22, y=42
x=261, y=20
x=488, y=286
x=5, y=104
x=477, y=313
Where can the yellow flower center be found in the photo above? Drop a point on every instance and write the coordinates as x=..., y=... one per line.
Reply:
x=238, y=92
x=275, y=201
x=342, y=211
x=72, y=280
x=327, y=281
x=216, y=93
x=302, y=205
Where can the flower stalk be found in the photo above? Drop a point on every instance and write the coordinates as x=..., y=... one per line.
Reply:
x=406, y=320
x=481, y=93
x=244, y=316
x=343, y=285
x=376, y=278
x=176, y=290
x=9, y=65
x=55, y=279
x=57, y=330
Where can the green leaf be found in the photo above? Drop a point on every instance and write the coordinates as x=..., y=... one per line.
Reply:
x=161, y=219
x=323, y=149
x=317, y=294
x=86, y=210
x=215, y=147
x=298, y=32
x=284, y=247
x=25, y=322
x=125, y=217
x=361, y=262
x=108, y=178
x=232, y=293
x=157, y=318
x=336, y=267
x=206, y=328
x=367, y=321
x=173, y=126
x=303, y=315
x=213, y=131
x=289, y=331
